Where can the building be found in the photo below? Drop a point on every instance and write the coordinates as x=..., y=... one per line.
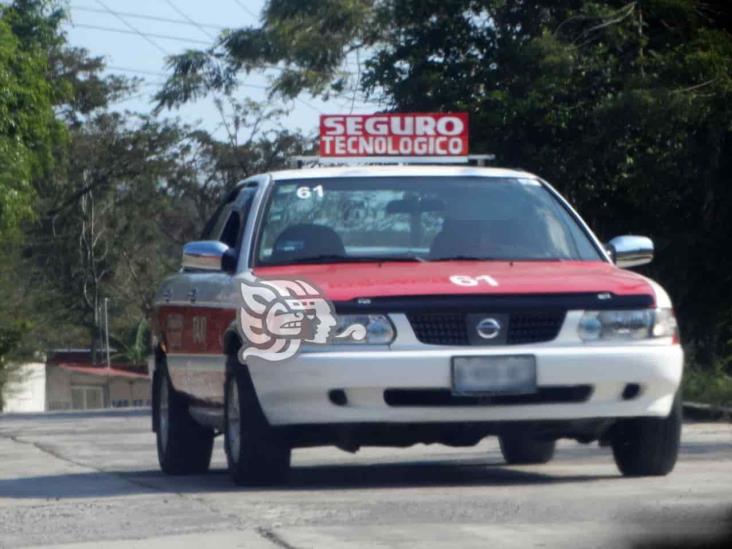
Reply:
x=69, y=381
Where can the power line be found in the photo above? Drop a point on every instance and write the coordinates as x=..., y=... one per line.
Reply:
x=149, y=36
x=240, y=84
x=184, y=39
x=133, y=28
x=163, y=75
x=146, y=17
x=246, y=9
x=263, y=66
x=140, y=71
x=145, y=35
x=309, y=105
x=184, y=15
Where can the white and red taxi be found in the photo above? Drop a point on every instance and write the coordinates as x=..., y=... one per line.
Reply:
x=486, y=307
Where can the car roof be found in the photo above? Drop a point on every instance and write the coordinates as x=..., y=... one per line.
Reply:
x=397, y=171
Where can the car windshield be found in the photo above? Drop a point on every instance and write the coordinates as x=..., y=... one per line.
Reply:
x=354, y=219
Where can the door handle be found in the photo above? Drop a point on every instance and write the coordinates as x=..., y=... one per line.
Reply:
x=193, y=295
x=168, y=295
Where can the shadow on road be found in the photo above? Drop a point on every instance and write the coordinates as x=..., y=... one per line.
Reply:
x=316, y=477
x=415, y=474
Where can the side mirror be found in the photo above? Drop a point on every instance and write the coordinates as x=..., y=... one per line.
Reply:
x=630, y=251
x=206, y=255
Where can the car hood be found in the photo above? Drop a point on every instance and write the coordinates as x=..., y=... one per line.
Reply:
x=348, y=281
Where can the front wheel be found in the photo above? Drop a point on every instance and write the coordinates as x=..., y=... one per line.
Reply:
x=254, y=452
x=648, y=446
x=184, y=446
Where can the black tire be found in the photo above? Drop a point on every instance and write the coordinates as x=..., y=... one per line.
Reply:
x=184, y=446
x=648, y=446
x=261, y=456
x=523, y=449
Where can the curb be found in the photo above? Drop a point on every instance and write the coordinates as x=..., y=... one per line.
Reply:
x=706, y=412
x=129, y=411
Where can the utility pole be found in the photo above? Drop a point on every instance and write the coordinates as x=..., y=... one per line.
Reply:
x=106, y=340
x=106, y=330
x=96, y=336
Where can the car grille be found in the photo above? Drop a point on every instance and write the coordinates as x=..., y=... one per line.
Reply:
x=452, y=328
x=440, y=328
x=534, y=327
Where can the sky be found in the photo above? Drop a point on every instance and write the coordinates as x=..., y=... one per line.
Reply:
x=153, y=29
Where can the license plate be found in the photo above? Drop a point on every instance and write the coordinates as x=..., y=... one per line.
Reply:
x=494, y=375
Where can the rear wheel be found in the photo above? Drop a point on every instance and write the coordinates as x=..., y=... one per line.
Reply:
x=184, y=446
x=648, y=446
x=523, y=449
x=254, y=452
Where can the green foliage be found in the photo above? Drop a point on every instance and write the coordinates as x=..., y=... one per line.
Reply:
x=100, y=201
x=305, y=39
x=81, y=87
x=29, y=137
x=710, y=386
x=134, y=189
x=136, y=348
x=28, y=128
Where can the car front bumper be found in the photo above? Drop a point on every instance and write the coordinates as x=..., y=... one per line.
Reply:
x=297, y=391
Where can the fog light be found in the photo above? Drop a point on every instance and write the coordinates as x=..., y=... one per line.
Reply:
x=338, y=397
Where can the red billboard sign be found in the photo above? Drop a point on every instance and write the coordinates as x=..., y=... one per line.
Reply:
x=394, y=134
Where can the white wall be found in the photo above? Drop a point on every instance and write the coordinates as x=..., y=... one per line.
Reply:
x=28, y=392
x=42, y=388
x=118, y=391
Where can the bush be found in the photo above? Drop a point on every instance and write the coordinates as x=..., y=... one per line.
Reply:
x=709, y=386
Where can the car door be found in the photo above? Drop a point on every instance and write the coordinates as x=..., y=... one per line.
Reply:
x=213, y=303
x=174, y=308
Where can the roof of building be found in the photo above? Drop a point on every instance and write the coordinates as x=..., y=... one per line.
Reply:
x=99, y=370
x=83, y=358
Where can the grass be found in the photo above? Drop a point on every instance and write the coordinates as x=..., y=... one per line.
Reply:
x=709, y=386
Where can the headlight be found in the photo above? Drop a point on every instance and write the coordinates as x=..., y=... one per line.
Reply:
x=628, y=325
x=379, y=329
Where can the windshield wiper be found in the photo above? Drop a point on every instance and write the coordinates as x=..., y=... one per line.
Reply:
x=464, y=258
x=335, y=258
x=403, y=258
x=486, y=258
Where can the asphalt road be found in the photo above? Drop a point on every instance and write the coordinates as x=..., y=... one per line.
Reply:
x=81, y=478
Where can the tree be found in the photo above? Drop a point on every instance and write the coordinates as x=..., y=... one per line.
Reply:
x=291, y=37
x=29, y=139
x=29, y=130
x=100, y=201
x=625, y=106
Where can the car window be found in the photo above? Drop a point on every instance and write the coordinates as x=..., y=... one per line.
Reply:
x=230, y=232
x=209, y=230
x=228, y=221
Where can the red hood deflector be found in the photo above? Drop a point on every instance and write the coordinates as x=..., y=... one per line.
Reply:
x=348, y=281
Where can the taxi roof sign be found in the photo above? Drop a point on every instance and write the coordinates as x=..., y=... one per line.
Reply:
x=412, y=137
